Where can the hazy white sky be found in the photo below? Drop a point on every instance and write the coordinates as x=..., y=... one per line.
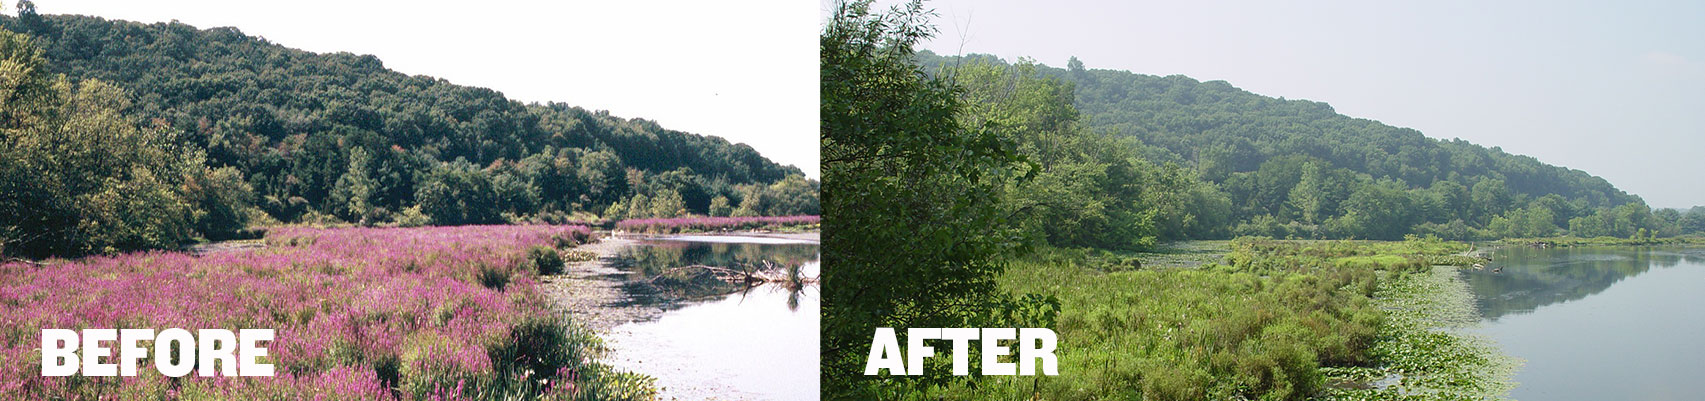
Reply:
x=743, y=70
x=1613, y=88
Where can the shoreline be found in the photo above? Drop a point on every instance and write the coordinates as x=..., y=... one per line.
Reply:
x=590, y=291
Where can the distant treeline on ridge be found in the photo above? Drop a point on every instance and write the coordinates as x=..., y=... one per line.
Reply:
x=1226, y=162
x=123, y=135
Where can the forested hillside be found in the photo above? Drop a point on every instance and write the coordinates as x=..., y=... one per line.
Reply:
x=338, y=137
x=1296, y=168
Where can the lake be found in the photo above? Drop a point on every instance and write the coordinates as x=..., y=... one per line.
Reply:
x=724, y=341
x=1597, y=323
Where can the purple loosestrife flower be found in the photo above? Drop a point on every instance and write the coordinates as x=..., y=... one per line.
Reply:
x=344, y=301
x=679, y=224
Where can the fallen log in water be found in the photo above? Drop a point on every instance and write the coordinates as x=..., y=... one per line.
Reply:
x=769, y=273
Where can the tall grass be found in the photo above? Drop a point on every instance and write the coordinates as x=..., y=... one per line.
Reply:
x=360, y=313
x=1267, y=323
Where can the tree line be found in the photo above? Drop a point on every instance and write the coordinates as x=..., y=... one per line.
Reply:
x=1226, y=162
x=289, y=136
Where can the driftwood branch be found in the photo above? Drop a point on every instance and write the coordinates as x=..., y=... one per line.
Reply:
x=770, y=273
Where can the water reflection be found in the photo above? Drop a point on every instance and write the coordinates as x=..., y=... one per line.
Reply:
x=727, y=341
x=1530, y=278
x=672, y=272
x=1598, y=324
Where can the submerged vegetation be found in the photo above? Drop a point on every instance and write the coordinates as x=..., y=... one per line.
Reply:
x=1422, y=352
x=360, y=313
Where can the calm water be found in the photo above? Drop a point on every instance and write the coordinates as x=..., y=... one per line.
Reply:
x=1598, y=323
x=753, y=344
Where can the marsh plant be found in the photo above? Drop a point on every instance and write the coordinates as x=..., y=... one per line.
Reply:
x=1272, y=320
x=360, y=313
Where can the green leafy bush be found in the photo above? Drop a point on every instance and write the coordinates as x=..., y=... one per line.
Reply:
x=545, y=260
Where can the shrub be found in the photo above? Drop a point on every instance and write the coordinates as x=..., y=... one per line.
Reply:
x=545, y=260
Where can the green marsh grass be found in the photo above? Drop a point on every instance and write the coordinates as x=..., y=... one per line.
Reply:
x=1273, y=320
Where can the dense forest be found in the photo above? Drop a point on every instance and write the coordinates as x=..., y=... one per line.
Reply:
x=1214, y=161
x=292, y=136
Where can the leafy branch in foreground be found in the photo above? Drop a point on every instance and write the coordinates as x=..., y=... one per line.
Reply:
x=911, y=195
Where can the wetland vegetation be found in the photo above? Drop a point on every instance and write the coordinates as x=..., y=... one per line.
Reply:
x=971, y=192
x=361, y=313
x=1261, y=319
x=122, y=142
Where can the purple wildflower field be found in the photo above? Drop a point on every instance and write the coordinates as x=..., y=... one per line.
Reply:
x=687, y=224
x=359, y=313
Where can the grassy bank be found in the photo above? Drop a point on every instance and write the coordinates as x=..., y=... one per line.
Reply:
x=1271, y=320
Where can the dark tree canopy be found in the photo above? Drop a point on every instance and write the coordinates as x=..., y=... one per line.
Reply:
x=321, y=136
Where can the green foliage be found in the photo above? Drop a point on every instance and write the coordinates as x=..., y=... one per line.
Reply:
x=1693, y=221
x=1287, y=168
x=223, y=198
x=667, y=204
x=1622, y=221
x=341, y=135
x=352, y=196
x=542, y=349
x=1272, y=323
x=1183, y=334
x=1571, y=241
x=545, y=260
x=792, y=196
x=1087, y=189
x=412, y=217
x=1522, y=223
x=912, y=216
x=719, y=207
x=1419, y=346
x=1256, y=254
x=458, y=193
x=639, y=207
x=77, y=177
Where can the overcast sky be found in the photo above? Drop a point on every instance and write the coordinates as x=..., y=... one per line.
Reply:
x=742, y=70
x=1613, y=88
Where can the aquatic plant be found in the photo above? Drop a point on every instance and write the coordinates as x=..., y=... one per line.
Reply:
x=688, y=224
x=360, y=313
x=1274, y=320
x=1423, y=353
x=1187, y=334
